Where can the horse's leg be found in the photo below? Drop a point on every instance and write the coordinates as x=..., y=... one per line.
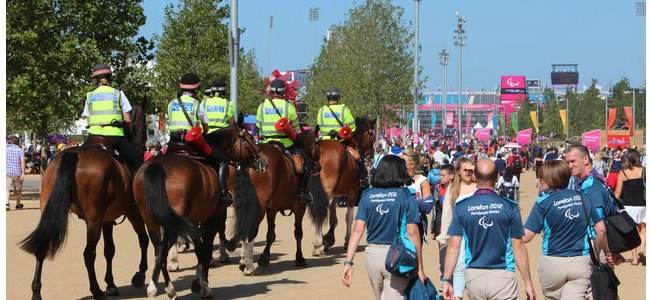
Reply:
x=36, y=283
x=265, y=258
x=168, y=242
x=109, y=253
x=134, y=217
x=247, y=253
x=319, y=249
x=93, y=233
x=224, y=258
x=328, y=239
x=172, y=257
x=152, y=290
x=209, y=231
x=349, y=219
x=298, y=233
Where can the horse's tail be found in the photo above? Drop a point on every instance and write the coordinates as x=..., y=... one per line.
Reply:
x=172, y=224
x=247, y=207
x=50, y=234
x=320, y=204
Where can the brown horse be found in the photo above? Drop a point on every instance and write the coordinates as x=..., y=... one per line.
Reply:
x=340, y=178
x=180, y=195
x=277, y=190
x=96, y=186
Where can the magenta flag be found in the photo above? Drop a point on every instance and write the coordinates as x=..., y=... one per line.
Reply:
x=591, y=140
x=523, y=137
x=483, y=134
x=450, y=118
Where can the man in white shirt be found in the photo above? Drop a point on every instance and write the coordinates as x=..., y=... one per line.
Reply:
x=438, y=156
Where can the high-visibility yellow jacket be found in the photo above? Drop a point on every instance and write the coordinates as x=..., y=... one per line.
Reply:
x=176, y=119
x=219, y=111
x=104, y=108
x=267, y=117
x=327, y=122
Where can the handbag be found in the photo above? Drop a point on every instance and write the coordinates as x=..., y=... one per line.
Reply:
x=622, y=234
x=416, y=290
x=401, y=260
x=604, y=283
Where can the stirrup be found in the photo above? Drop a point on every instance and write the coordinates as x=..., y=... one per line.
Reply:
x=305, y=197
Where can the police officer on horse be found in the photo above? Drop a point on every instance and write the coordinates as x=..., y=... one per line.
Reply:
x=337, y=122
x=107, y=114
x=277, y=121
x=220, y=114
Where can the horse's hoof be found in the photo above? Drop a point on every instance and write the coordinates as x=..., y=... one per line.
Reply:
x=242, y=267
x=196, y=286
x=112, y=291
x=36, y=296
x=301, y=262
x=138, y=280
x=263, y=261
x=231, y=245
x=224, y=260
x=251, y=272
x=318, y=252
x=327, y=248
x=214, y=263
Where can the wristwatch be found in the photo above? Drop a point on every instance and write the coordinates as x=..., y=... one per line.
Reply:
x=347, y=262
x=448, y=280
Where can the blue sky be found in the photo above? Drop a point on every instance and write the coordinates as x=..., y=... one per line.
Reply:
x=604, y=37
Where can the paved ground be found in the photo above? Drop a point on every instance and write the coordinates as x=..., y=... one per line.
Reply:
x=65, y=277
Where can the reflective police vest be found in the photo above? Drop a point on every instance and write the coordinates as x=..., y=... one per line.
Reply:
x=176, y=117
x=104, y=108
x=267, y=117
x=327, y=120
x=219, y=111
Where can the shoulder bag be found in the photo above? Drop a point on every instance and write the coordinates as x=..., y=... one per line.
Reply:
x=400, y=260
x=604, y=283
x=622, y=234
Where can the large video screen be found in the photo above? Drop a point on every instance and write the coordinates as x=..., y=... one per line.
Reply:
x=513, y=88
x=564, y=78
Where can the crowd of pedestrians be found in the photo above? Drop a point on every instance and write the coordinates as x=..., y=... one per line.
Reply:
x=472, y=190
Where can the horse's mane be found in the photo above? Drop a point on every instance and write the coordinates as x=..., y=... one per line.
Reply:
x=362, y=124
x=139, y=123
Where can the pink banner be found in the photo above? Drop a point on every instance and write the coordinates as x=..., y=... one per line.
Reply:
x=523, y=137
x=591, y=140
x=450, y=118
x=453, y=107
x=483, y=134
x=513, y=82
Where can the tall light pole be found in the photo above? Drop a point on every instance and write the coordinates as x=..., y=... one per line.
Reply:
x=314, y=14
x=416, y=66
x=443, y=56
x=633, y=91
x=268, y=48
x=460, y=40
x=234, y=54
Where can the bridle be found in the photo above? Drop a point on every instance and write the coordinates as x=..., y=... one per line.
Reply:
x=245, y=143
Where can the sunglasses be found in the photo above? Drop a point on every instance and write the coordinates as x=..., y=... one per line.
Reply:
x=468, y=171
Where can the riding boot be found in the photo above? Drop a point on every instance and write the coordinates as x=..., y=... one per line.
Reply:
x=223, y=182
x=304, y=195
x=363, y=173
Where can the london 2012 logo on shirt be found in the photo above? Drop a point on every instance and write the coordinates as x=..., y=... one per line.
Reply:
x=569, y=215
x=483, y=223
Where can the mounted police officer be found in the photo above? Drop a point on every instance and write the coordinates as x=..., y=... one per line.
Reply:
x=220, y=114
x=337, y=122
x=273, y=111
x=107, y=114
x=184, y=113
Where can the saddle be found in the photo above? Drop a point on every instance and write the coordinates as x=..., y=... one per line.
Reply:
x=184, y=149
x=296, y=159
x=103, y=143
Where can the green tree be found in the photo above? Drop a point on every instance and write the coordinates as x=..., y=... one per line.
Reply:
x=195, y=39
x=51, y=48
x=369, y=58
x=588, y=111
x=551, y=122
x=620, y=99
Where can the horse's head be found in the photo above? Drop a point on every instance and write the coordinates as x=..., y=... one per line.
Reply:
x=364, y=134
x=139, y=129
x=237, y=142
x=308, y=139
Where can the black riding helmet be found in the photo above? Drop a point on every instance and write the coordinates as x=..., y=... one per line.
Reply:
x=333, y=93
x=219, y=86
x=102, y=71
x=190, y=81
x=278, y=87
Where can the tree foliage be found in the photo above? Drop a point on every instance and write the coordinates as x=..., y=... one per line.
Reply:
x=52, y=46
x=369, y=59
x=195, y=39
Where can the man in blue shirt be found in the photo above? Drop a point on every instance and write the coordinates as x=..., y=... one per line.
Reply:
x=501, y=164
x=492, y=227
x=596, y=193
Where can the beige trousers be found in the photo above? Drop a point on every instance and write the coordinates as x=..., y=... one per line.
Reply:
x=565, y=277
x=484, y=284
x=385, y=285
